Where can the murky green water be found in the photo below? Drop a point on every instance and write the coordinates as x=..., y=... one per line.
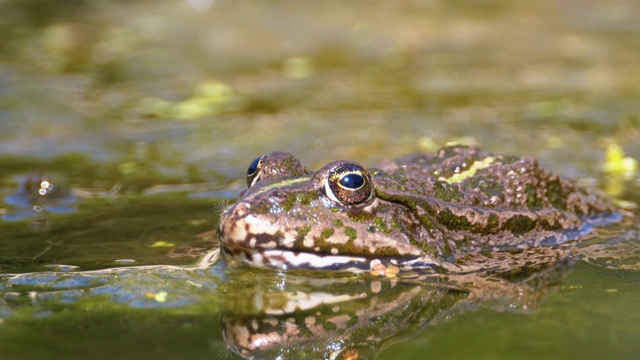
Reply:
x=146, y=116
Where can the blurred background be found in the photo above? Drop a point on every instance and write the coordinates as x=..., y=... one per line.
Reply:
x=146, y=92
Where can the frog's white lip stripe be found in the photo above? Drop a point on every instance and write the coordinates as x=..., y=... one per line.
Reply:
x=284, y=259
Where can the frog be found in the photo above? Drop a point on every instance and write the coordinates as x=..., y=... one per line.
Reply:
x=432, y=211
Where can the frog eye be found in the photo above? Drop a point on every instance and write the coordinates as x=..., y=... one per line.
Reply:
x=253, y=172
x=349, y=184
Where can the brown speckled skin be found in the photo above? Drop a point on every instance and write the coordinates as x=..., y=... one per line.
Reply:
x=421, y=211
x=510, y=188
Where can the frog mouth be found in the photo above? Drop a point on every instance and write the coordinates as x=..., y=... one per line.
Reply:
x=287, y=259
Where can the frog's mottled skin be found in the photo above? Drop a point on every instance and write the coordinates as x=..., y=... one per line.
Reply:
x=425, y=210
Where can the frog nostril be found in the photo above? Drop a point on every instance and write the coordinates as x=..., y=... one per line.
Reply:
x=278, y=196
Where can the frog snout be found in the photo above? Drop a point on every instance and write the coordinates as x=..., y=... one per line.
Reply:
x=235, y=225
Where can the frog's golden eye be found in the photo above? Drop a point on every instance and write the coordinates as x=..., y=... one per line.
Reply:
x=349, y=184
x=253, y=172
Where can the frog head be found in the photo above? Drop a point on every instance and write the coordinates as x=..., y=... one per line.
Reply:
x=290, y=217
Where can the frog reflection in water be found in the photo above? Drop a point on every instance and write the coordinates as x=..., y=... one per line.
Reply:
x=421, y=211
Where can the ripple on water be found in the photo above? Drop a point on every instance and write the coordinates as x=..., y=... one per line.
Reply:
x=61, y=267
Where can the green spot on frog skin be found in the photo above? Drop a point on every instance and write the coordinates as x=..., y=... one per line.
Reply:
x=338, y=223
x=326, y=233
x=351, y=232
x=262, y=208
x=394, y=224
x=556, y=195
x=492, y=224
x=520, y=224
x=489, y=187
x=329, y=326
x=446, y=192
x=425, y=220
x=353, y=320
x=301, y=234
x=306, y=198
x=382, y=226
x=533, y=202
x=361, y=216
x=456, y=222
